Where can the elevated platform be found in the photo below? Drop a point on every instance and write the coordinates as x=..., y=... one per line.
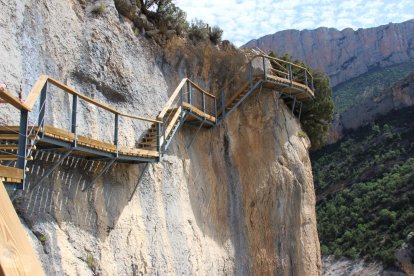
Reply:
x=189, y=103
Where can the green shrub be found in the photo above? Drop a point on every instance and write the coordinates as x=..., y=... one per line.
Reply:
x=198, y=31
x=215, y=35
x=90, y=261
x=99, y=8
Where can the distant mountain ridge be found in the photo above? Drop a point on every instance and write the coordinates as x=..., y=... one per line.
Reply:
x=344, y=54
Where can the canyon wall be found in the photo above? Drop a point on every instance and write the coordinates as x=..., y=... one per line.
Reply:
x=344, y=54
x=234, y=199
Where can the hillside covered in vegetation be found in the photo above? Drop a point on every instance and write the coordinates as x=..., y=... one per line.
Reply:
x=365, y=189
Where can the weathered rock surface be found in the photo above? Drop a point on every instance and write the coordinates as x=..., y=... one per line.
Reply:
x=344, y=54
x=399, y=96
x=347, y=267
x=238, y=200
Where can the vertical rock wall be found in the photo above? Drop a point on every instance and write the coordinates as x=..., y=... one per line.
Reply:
x=236, y=199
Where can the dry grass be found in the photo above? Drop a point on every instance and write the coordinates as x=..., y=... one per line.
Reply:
x=218, y=67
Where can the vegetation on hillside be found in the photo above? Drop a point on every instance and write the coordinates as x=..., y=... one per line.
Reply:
x=367, y=85
x=317, y=114
x=167, y=19
x=365, y=189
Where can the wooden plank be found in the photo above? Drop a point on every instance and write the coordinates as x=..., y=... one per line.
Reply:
x=171, y=99
x=56, y=132
x=139, y=152
x=9, y=136
x=11, y=172
x=35, y=92
x=8, y=157
x=18, y=257
x=14, y=101
x=198, y=112
x=82, y=140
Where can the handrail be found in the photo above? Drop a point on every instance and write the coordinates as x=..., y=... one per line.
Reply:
x=41, y=82
x=8, y=97
x=200, y=89
x=171, y=99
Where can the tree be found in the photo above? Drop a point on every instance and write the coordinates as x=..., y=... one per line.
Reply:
x=317, y=114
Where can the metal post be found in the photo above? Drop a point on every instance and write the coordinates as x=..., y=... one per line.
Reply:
x=164, y=142
x=300, y=110
x=22, y=147
x=116, y=132
x=294, y=103
x=190, y=91
x=159, y=140
x=203, y=102
x=264, y=69
x=290, y=74
x=41, y=120
x=74, y=115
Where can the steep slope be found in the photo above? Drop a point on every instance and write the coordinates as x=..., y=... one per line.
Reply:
x=236, y=199
x=344, y=54
x=372, y=106
x=365, y=190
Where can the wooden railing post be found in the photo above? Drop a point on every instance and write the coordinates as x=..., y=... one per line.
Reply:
x=264, y=68
x=42, y=108
x=290, y=74
x=22, y=147
x=116, y=133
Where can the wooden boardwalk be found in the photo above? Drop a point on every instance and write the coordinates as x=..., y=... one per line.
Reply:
x=189, y=104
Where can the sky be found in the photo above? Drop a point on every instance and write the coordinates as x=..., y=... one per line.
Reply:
x=243, y=20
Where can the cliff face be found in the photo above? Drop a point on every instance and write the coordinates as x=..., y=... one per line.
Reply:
x=237, y=198
x=344, y=54
x=400, y=95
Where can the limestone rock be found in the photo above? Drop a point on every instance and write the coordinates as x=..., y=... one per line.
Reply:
x=238, y=200
x=344, y=54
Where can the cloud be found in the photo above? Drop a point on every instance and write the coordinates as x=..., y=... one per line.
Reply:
x=243, y=20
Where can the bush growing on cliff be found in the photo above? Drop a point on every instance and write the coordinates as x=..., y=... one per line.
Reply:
x=317, y=114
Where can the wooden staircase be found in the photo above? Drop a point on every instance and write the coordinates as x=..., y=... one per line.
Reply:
x=189, y=103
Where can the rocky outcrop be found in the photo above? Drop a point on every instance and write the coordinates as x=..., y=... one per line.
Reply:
x=399, y=96
x=344, y=54
x=235, y=199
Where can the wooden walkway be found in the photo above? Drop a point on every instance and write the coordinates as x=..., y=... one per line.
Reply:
x=189, y=104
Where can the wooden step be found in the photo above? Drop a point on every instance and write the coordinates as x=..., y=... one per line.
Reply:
x=148, y=144
x=9, y=136
x=8, y=157
x=10, y=172
x=14, y=147
x=14, y=137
